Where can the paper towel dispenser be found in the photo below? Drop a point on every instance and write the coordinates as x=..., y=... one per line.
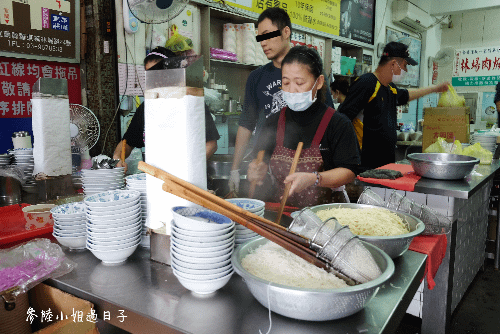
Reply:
x=50, y=86
x=176, y=75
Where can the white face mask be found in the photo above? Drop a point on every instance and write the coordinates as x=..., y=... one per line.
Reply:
x=300, y=101
x=398, y=77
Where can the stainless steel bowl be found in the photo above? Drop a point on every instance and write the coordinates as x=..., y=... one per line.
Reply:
x=10, y=191
x=395, y=245
x=219, y=166
x=442, y=166
x=312, y=304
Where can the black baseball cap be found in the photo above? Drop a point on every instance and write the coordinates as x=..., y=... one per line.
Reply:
x=400, y=50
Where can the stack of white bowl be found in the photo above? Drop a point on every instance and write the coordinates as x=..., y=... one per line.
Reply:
x=202, y=243
x=69, y=225
x=255, y=206
x=138, y=182
x=5, y=159
x=113, y=224
x=23, y=158
x=487, y=141
x=95, y=181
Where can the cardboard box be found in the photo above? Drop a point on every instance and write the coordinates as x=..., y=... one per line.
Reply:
x=451, y=123
x=43, y=297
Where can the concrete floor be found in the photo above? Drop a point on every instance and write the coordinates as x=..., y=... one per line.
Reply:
x=477, y=313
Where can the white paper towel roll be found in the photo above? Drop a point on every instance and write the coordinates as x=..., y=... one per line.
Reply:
x=229, y=37
x=175, y=143
x=51, y=136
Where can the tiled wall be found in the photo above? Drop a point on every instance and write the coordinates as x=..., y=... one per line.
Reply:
x=471, y=216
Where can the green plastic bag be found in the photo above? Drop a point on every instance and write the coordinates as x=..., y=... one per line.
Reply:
x=178, y=43
x=451, y=99
x=485, y=157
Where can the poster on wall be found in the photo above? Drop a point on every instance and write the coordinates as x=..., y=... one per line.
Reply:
x=412, y=78
x=321, y=15
x=357, y=20
x=476, y=66
x=489, y=110
x=17, y=77
x=40, y=27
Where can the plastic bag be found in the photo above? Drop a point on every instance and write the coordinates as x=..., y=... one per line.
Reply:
x=441, y=146
x=485, y=157
x=154, y=38
x=178, y=43
x=451, y=99
x=30, y=263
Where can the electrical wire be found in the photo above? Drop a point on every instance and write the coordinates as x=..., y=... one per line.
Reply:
x=383, y=18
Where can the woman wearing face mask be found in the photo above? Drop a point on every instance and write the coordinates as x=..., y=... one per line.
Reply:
x=339, y=89
x=329, y=157
x=376, y=96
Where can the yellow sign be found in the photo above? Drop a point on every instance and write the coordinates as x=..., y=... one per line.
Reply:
x=320, y=15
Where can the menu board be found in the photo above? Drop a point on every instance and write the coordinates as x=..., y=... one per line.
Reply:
x=321, y=15
x=357, y=20
x=479, y=66
x=48, y=28
x=412, y=78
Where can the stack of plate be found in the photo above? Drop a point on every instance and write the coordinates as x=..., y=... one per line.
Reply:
x=138, y=182
x=113, y=224
x=69, y=225
x=5, y=159
x=487, y=141
x=255, y=206
x=23, y=158
x=98, y=180
x=202, y=243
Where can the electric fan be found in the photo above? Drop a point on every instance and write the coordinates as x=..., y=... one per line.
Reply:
x=156, y=11
x=84, y=128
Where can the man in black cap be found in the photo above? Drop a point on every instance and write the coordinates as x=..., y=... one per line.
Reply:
x=372, y=101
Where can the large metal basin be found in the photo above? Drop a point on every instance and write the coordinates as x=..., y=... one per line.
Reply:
x=442, y=166
x=219, y=166
x=312, y=304
x=395, y=245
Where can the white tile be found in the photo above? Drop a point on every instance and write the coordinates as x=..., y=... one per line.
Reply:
x=379, y=191
x=421, y=287
x=414, y=308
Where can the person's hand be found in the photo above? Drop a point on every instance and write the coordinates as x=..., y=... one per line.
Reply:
x=234, y=180
x=442, y=87
x=300, y=181
x=257, y=172
x=122, y=164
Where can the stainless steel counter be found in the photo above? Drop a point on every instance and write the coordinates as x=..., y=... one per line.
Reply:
x=464, y=188
x=153, y=301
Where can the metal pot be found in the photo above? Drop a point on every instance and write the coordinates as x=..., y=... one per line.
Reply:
x=10, y=191
x=219, y=166
x=442, y=166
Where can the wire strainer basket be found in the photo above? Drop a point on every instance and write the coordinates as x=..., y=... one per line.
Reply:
x=337, y=246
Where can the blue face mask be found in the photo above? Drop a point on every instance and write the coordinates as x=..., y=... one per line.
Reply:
x=300, y=101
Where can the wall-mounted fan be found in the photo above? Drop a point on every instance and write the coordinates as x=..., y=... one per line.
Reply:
x=84, y=128
x=156, y=11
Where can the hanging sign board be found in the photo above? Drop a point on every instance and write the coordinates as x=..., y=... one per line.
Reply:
x=48, y=28
x=321, y=15
x=476, y=66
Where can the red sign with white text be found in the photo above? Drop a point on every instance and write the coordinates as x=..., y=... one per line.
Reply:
x=17, y=77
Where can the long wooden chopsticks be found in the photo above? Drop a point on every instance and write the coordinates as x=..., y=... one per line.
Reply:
x=287, y=187
x=122, y=155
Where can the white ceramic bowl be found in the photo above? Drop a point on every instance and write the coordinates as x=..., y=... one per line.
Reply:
x=200, y=277
x=70, y=235
x=123, y=226
x=113, y=246
x=249, y=204
x=97, y=237
x=69, y=222
x=242, y=240
x=129, y=214
x=204, y=287
x=115, y=233
x=115, y=256
x=190, y=259
x=245, y=234
x=69, y=228
x=108, y=210
x=195, y=219
x=185, y=270
x=72, y=242
x=112, y=198
x=205, y=254
x=70, y=210
x=203, y=233
x=202, y=244
x=116, y=170
x=200, y=266
x=140, y=177
x=203, y=239
x=113, y=241
x=202, y=249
